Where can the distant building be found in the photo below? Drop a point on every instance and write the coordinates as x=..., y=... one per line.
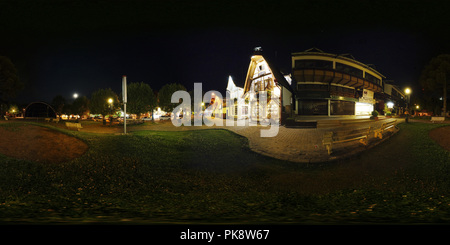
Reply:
x=235, y=104
x=331, y=84
x=394, y=98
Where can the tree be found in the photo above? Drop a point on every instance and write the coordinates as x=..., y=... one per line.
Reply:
x=99, y=102
x=140, y=98
x=165, y=96
x=58, y=104
x=10, y=84
x=436, y=76
x=80, y=105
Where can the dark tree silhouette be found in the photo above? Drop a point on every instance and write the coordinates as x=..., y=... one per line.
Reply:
x=140, y=98
x=10, y=84
x=165, y=96
x=436, y=76
x=99, y=101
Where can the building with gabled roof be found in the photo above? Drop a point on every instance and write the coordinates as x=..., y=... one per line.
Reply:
x=264, y=78
x=234, y=104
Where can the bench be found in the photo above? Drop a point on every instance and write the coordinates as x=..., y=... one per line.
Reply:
x=331, y=138
x=71, y=125
x=56, y=120
x=437, y=119
x=47, y=119
x=388, y=126
x=6, y=118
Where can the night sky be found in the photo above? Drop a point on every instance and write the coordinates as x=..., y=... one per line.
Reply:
x=63, y=47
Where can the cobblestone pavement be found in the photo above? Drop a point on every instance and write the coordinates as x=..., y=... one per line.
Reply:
x=292, y=144
x=304, y=144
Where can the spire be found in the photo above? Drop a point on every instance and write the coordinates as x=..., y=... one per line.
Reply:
x=231, y=84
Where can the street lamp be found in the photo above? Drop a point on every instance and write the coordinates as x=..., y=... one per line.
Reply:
x=110, y=101
x=407, y=92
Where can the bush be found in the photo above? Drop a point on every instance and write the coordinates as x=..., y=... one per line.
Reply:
x=374, y=113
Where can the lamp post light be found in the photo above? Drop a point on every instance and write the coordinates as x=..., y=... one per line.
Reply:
x=110, y=101
x=407, y=92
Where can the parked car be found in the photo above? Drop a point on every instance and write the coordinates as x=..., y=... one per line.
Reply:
x=164, y=117
x=147, y=118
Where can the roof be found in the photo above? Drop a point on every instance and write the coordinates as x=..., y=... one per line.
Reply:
x=280, y=79
x=278, y=75
x=347, y=56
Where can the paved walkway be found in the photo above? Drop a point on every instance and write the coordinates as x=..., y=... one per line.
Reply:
x=292, y=144
x=304, y=144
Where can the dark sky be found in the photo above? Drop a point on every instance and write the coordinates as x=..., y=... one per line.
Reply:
x=62, y=47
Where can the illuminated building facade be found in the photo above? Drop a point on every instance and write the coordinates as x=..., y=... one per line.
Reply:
x=330, y=84
x=235, y=104
x=264, y=79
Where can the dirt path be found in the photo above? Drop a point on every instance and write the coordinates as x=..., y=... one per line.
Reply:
x=441, y=136
x=39, y=144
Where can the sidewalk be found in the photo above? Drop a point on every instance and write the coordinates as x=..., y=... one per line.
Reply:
x=291, y=144
x=305, y=144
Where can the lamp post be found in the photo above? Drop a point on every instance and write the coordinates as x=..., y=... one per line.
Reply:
x=407, y=92
x=124, y=98
x=110, y=101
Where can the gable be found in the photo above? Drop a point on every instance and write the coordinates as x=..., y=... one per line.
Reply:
x=260, y=67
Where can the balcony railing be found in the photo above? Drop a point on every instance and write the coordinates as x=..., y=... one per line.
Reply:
x=337, y=77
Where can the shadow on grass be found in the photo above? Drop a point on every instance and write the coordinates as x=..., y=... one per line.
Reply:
x=211, y=176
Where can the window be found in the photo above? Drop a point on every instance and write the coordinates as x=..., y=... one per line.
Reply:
x=312, y=87
x=349, y=70
x=304, y=64
x=373, y=79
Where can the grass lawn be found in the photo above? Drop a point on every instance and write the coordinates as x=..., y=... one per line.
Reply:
x=211, y=176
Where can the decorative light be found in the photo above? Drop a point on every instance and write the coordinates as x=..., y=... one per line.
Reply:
x=390, y=105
